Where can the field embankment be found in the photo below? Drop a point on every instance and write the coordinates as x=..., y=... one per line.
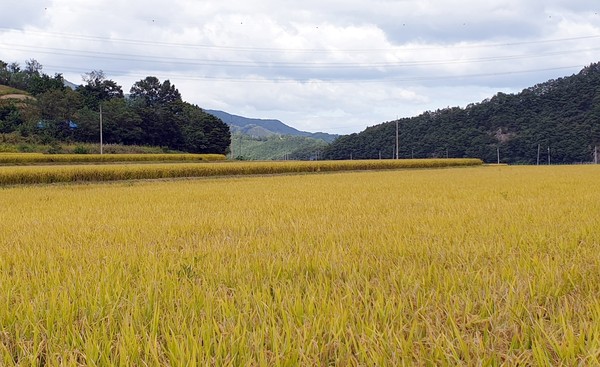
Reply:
x=89, y=173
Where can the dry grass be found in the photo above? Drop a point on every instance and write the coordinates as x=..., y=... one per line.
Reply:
x=9, y=91
x=475, y=266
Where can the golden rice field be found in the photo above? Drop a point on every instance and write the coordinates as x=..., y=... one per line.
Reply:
x=11, y=175
x=470, y=266
x=37, y=158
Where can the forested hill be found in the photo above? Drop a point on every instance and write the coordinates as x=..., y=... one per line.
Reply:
x=262, y=128
x=154, y=114
x=560, y=116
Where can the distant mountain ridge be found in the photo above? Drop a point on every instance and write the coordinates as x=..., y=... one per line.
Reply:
x=265, y=127
x=68, y=84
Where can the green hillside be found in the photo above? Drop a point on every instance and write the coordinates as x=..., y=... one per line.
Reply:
x=6, y=90
x=265, y=127
x=276, y=147
x=154, y=113
x=560, y=119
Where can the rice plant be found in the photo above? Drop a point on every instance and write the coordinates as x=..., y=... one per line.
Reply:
x=78, y=173
x=475, y=266
x=37, y=158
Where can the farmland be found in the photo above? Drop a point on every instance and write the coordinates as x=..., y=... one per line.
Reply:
x=100, y=171
x=466, y=266
x=39, y=158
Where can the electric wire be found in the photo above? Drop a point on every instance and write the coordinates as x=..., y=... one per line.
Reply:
x=316, y=80
x=270, y=63
x=277, y=50
x=345, y=72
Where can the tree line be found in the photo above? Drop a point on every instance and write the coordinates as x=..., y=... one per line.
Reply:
x=152, y=114
x=559, y=116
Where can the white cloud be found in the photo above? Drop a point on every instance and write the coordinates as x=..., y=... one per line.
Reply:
x=328, y=65
x=18, y=13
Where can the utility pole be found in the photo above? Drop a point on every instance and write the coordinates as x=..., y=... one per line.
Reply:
x=596, y=154
x=101, y=152
x=538, y=156
x=397, y=146
x=548, y=155
x=498, y=154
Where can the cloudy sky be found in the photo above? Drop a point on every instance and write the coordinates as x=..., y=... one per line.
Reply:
x=318, y=65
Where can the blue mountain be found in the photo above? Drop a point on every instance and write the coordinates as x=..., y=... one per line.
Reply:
x=265, y=127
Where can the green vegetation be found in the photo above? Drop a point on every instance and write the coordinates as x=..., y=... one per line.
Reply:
x=154, y=115
x=276, y=147
x=265, y=127
x=15, y=143
x=553, y=122
x=561, y=115
x=5, y=90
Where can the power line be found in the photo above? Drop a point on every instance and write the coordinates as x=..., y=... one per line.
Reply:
x=346, y=72
x=380, y=70
x=280, y=64
x=256, y=79
x=273, y=49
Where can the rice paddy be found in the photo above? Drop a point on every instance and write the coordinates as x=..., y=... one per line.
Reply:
x=40, y=174
x=39, y=158
x=468, y=266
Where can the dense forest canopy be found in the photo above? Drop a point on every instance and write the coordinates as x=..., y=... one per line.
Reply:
x=153, y=114
x=559, y=118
